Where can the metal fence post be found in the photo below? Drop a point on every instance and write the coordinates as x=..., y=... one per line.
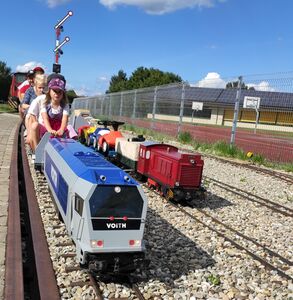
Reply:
x=154, y=106
x=181, y=108
x=95, y=105
x=134, y=105
x=102, y=104
x=121, y=104
x=110, y=106
x=236, y=111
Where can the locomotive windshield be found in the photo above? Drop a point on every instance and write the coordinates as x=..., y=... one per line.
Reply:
x=20, y=77
x=116, y=201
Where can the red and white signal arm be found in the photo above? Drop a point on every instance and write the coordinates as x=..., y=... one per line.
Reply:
x=251, y=102
x=197, y=106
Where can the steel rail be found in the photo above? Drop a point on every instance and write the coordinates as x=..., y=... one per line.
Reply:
x=14, y=283
x=282, y=176
x=235, y=244
x=240, y=192
x=47, y=283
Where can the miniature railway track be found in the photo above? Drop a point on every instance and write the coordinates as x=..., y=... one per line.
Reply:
x=14, y=285
x=29, y=272
x=282, y=176
x=237, y=234
x=284, y=262
x=276, y=207
x=95, y=282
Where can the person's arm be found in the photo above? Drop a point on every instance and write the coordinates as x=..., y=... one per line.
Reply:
x=26, y=100
x=22, y=91
x=63, y=126
x=47, y=123
x=64, y=121
x=20, y=96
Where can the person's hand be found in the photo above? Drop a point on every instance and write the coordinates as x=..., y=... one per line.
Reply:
x=60, y=132
x=53, y=132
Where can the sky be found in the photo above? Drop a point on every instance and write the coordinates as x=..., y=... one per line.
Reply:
x=205, y=42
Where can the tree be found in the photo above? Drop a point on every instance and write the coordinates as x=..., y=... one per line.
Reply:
x=71, y=95
x=118, y=82
x=144, y=77
x=234, y=85
x=5, y=80
x=141, y=78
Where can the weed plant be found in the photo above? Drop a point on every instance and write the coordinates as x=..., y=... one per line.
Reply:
x=184, y=137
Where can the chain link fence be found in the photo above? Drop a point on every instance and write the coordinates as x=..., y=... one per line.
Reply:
x=262, y=122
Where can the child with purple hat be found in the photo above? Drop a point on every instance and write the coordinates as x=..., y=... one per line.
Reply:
x=54, y=113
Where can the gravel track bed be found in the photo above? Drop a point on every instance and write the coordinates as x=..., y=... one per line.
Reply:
x=187, y=260
x=256, y=221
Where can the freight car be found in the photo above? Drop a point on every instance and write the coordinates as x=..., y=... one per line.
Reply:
x=176, y=175
x=103, y=208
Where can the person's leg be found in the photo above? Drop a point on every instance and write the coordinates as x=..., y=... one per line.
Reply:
x=36, y=130
x=21, y=112
x=29, y=120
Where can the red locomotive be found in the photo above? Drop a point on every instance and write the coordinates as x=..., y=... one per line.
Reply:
x=174, y=174
x=17, y=79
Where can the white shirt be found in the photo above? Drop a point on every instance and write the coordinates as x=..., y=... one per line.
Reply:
x=35, y=107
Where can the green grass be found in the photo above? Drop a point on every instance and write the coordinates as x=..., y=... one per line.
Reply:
x=185, y=137
x=6, y=108
x=219, y=148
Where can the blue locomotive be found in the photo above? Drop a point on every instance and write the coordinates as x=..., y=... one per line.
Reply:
x=103, y=208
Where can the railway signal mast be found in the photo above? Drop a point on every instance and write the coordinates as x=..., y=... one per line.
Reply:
x=58, y=51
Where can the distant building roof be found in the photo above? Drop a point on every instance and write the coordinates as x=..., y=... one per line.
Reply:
x=226, y=97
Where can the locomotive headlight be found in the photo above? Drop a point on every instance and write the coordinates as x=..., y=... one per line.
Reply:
x=192, y=161
x=134, y=243
x=117, y=189
x=103, y=177
x=177, y=183
x=97, y=244
x=126, y=178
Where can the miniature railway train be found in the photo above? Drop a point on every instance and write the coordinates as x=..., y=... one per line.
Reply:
x=176, y=175
x=103, y=207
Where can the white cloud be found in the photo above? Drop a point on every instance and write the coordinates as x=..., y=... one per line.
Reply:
x=54, y=3
x=29, y=66
x=212, y=80
x=262, y=86
x=84, y=91
x=102, y=78
x=160, y=7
